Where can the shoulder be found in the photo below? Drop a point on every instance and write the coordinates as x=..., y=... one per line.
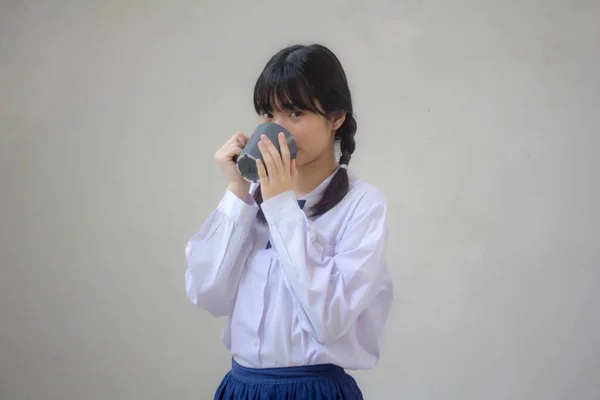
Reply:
x=363, y=193
x=365, y=214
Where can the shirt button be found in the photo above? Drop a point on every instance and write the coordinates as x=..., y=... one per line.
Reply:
x=255, y=342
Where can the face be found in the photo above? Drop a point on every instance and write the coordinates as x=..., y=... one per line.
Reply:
x=314, y=134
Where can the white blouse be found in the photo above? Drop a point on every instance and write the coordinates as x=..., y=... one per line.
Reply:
x=297, y=290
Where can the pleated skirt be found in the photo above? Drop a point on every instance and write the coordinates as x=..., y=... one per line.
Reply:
x=313, y=382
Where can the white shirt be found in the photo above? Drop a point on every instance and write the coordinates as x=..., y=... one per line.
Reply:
x=320, y=294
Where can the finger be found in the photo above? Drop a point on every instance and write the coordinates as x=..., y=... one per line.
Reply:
x=232, y=147
x=243, y=136
x=285, y=152
x=235, y=151
x=238, y=138
x=293, y=170
x=278, y=163
x=228, y=154
x=262, y=173
x=243, y=139
x=269, y=161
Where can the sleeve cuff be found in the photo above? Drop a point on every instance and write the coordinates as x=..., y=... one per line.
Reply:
x=280, y=206
x=241, y=211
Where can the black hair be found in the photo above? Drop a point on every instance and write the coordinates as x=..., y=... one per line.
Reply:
x=296, y=78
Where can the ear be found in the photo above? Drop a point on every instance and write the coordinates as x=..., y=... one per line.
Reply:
x=337, y=120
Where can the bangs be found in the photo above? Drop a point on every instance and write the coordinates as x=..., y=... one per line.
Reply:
x=280, y=87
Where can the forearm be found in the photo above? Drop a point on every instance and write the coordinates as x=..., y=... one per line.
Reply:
x=332, y=286
x=217, y=253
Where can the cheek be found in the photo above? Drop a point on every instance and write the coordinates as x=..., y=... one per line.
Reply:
x=301, y=141
x=310, y=137
x=300, y=137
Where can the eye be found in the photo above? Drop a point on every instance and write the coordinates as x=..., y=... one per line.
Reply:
x=296, y=114
x=267, y=115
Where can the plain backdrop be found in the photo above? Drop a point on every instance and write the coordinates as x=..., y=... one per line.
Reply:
x=478, y=120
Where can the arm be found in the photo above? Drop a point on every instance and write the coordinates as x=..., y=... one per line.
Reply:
x=217, y=254
x=331, y=290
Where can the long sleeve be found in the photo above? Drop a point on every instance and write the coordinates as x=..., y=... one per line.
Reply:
x=217, y=254
x=333, y=286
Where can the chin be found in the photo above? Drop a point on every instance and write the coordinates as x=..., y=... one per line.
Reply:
x=300, y=161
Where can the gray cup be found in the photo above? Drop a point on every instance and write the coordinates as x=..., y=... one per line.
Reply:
x=246, y=161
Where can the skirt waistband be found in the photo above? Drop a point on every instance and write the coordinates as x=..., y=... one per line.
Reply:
x=286, y=374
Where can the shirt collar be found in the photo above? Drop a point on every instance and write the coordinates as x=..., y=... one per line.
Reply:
x=315, y=195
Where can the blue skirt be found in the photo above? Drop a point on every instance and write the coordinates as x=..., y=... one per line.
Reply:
x=313, y=382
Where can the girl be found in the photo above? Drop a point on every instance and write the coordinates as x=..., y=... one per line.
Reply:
x=297, y=261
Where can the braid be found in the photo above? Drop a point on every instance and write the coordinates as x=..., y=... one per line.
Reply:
x=340, y=184
x=347, y=143
x=258, y=198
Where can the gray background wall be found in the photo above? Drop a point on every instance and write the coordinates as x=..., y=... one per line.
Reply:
x=478, y=120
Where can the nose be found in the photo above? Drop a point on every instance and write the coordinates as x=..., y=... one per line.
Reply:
x=281, y=121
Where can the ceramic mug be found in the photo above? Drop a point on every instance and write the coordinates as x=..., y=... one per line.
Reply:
x=246, y=161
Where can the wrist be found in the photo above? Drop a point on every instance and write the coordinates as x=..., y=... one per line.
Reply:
x=240, y=189
x=280, y=206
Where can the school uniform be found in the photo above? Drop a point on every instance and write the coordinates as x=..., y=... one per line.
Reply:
x=307, y=298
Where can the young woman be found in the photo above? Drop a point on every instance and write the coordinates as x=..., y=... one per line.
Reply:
x=297, y=262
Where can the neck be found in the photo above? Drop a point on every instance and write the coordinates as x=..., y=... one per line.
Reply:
x=312, y=174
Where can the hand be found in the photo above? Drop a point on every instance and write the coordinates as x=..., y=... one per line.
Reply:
x=224, y=157
x=278, y=173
